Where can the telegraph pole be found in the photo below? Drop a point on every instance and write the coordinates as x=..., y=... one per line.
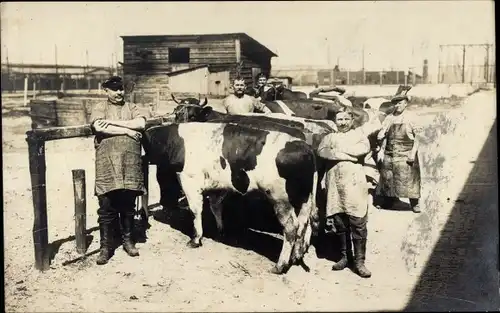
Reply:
x=463, y=65
x=56, y=57
x=464, y=46
x=328, y=59
x=86, y=61
x=363, y=64
x=487, y=64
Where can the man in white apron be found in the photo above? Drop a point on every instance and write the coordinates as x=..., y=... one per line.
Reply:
x=347, y=192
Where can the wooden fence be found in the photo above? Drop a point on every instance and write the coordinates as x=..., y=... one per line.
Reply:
x=36, y=139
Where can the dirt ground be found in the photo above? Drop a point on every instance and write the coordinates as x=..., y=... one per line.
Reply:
x=169, y=276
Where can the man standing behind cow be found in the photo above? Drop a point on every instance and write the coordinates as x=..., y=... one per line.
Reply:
x=347, y=192
x=398, y=160
x=118, y=173
x=240, y=103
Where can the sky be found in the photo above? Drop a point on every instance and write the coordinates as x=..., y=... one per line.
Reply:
x=394, y=34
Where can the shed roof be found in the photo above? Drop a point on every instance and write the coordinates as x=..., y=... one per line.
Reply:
x=246, y=39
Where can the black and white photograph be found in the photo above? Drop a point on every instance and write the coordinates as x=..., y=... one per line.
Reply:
x=249, y=156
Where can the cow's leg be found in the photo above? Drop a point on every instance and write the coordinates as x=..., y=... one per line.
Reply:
x=169, y=187
x=308, y=214
x=194, y=198
x=288, y=219
x=216, y=207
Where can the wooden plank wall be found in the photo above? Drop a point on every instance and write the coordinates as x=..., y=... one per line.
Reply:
x=195, y=81
x=248, y=65
x=219, y=54
x=203, y=52
x=149, y=87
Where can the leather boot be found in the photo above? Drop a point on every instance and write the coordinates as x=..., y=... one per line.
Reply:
x=415, y=205
x=127, y=221
x=359, y=258
x=342, y=263
x=105, y=253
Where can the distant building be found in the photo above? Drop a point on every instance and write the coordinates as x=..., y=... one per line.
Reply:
x=50, y=77
x=370, y=77
x=209, y=61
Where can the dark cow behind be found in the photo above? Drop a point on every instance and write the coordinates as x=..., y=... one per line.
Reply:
x=212, y=157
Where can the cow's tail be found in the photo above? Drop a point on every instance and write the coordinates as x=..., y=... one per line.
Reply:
x=314, y=216
x=308, y=217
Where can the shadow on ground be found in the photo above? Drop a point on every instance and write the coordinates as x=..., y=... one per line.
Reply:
x=249, y=223
x=462, y=271
x=56, y=245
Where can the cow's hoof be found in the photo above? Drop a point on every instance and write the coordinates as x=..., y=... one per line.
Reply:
x=220, y=237
x=280, y=270
x=276, y=271
x=304, y=265
x=193, y=244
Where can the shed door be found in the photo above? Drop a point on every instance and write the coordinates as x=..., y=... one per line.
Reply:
x=255, y=71
x=218, y=83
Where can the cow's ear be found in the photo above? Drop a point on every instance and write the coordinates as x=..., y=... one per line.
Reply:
x=206, y=111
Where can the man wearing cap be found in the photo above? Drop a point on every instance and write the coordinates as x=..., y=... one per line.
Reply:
x=261, y=85
x=398, y=158
x=241, y=103
x=119, y=179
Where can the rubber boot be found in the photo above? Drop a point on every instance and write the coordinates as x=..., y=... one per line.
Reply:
x=115, y=234
x=106, y=250
x=342, y=263
x=127, y=222
x=359, y=258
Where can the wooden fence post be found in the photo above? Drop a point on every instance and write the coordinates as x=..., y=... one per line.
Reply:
x=37, y=166
x=25, y=90
x=79, y=191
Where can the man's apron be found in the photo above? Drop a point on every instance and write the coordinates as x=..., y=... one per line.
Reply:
x=118, y=158
x=397, y=178
x=346, y=189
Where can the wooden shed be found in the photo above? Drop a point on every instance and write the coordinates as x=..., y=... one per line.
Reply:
x=161, y=62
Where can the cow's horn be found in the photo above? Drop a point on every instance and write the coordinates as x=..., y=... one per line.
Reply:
x=175, y=100
x=204, y=102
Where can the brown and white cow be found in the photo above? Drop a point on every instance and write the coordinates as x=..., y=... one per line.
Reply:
x=221, y=156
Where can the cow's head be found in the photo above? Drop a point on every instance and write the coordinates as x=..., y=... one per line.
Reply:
x=191, y=110
x=192, y=101
x=270, y=94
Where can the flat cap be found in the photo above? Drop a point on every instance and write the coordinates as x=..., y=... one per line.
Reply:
x=398, y=98
x=114, y=83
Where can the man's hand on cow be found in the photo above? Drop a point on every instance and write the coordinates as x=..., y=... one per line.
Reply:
x=380, y=157
x=103, y=124
x=380, y=136
x=134, y=134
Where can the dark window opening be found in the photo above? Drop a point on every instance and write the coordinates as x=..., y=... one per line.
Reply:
x=178, y=55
